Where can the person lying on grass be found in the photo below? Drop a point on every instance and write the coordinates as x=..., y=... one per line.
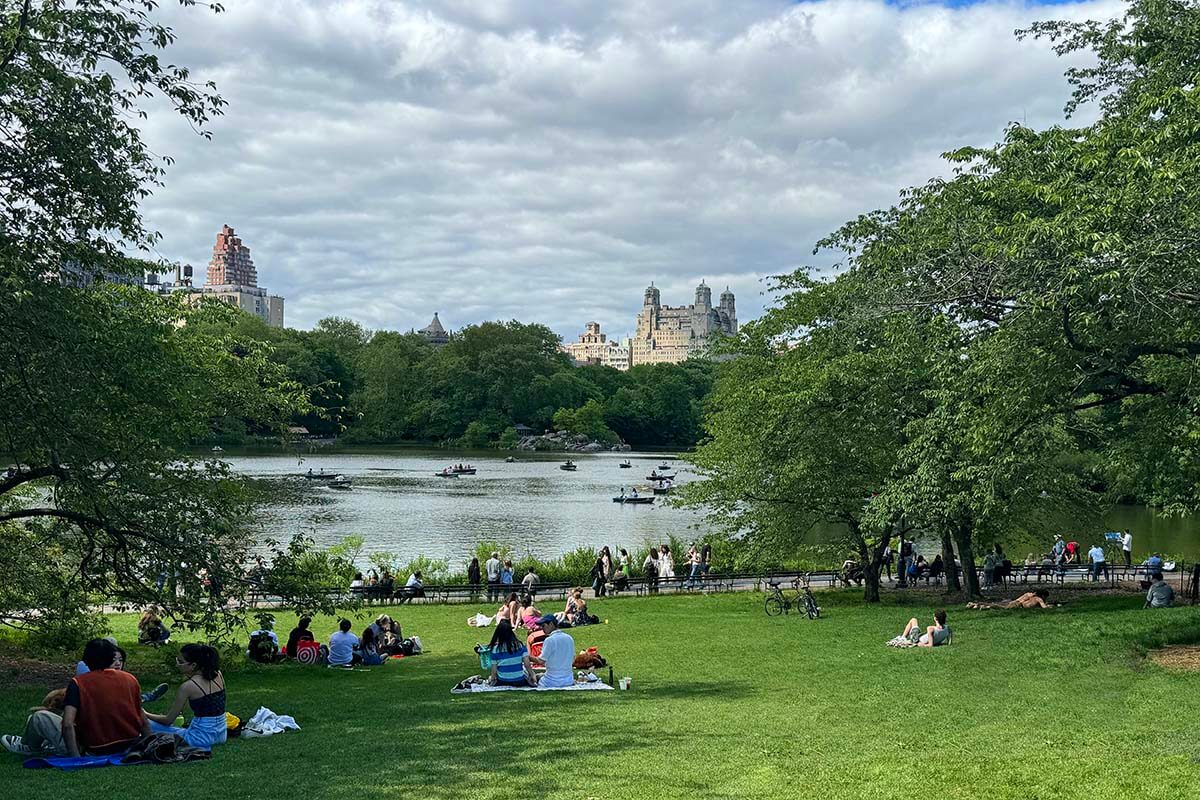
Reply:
x=934, y=636
x=510, y=659
x=203, y=690
x=1028, y=600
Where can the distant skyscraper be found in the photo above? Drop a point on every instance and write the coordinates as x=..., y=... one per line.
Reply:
x=231, y=264
x=232, y=279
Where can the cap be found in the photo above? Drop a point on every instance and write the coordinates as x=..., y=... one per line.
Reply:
x=1058, y=536
x=548, y=618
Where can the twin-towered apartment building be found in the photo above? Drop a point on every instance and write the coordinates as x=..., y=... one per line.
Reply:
x=664, y=334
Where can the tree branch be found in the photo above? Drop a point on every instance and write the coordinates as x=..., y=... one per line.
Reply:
x=22, y=26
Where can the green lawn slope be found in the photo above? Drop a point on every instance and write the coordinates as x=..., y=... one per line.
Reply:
x=726, y=703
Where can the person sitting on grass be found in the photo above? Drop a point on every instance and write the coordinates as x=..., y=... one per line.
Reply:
x=529, y=614
x=151, y=629
x=203, y=690
x=1160, y=594
x=934, y=636
x=566, y=617
x=510, y=659
x=300, y=633
x=43, y=729
x=119, y=664
x=343, y=647
x=510, y=610
x=391, y=641
x=1028, y=600
x=102, y=712
x=558, y=655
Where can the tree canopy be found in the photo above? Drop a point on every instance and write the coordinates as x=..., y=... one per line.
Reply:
x=1039, y=304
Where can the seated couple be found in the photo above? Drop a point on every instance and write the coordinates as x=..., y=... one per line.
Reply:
x=575, y=612
x=1028, y=600
x=934, y=636
x=513, y=666
x=100, y=712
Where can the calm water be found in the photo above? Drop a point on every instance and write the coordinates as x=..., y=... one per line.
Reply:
x=398, y=505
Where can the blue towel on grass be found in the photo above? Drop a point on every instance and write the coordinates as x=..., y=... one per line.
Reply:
x=70, y=764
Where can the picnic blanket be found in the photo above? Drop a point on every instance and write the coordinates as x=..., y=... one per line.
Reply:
x=479, y=685
x=157, y=748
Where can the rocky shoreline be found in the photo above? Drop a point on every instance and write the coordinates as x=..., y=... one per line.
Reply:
x=567, y=442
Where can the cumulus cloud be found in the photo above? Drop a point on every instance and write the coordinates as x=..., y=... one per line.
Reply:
x=545, y=161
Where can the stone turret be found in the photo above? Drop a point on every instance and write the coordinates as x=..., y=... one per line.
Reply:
x=703, y=298
x=651, y=297
x=728, y=312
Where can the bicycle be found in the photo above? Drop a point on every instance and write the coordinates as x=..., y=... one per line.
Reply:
x=779, y=602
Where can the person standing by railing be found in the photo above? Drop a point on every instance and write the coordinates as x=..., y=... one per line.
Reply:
x=1127, y=548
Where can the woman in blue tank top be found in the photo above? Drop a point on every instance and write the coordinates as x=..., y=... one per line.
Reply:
x=510, y=659
x=204, y=692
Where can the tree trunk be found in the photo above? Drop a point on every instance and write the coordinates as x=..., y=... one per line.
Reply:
x=962, y=536
x=952, y=582
x=871, y=559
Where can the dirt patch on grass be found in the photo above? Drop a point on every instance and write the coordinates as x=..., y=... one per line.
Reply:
x=18, y=671
x=1184, y=657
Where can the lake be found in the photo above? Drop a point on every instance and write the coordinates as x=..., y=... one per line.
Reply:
x=399, y=505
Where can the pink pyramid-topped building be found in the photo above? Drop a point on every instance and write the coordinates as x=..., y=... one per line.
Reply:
x=231, y=264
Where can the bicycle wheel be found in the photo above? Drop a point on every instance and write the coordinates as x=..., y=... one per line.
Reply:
x=773, y=605
x=810, y=605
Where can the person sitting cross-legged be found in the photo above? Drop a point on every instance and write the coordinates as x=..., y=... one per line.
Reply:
x=934, y=636
x=558, y=655
x=203, y=690
x=510, y=658
x=102, y=712
x=43, y=729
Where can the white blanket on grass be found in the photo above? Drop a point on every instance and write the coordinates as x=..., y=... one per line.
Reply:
x=476, y=688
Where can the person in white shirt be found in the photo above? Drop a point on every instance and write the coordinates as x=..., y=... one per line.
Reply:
x=342, y=646
x=558, y=654
x=414, y=587
x=1096, y=554
x=492, y=568
x=1127, y=548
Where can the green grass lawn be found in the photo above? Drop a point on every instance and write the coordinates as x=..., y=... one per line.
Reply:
x=726, y=703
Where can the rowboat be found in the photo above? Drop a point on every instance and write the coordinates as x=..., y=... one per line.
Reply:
x=569, y=466
x=654, y=476
x=340, y=482
x=633, y=500
x=625, y=465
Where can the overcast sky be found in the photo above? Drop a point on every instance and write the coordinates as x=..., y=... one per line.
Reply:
x=544, y=160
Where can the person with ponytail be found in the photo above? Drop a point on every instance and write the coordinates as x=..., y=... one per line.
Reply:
x=203, y=690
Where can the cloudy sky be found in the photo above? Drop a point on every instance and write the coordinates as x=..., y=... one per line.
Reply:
x=545, y=160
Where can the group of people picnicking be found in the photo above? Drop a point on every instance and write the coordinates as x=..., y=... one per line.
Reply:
x=547, y=647
x=101, y=711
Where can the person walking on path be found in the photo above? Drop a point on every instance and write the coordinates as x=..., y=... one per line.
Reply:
x=693, y=557
x=492, y=566
x=1127, y=548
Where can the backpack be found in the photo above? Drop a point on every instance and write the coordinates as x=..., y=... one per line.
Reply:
x=308, y=652
x=651, y=570
x=262, y=649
